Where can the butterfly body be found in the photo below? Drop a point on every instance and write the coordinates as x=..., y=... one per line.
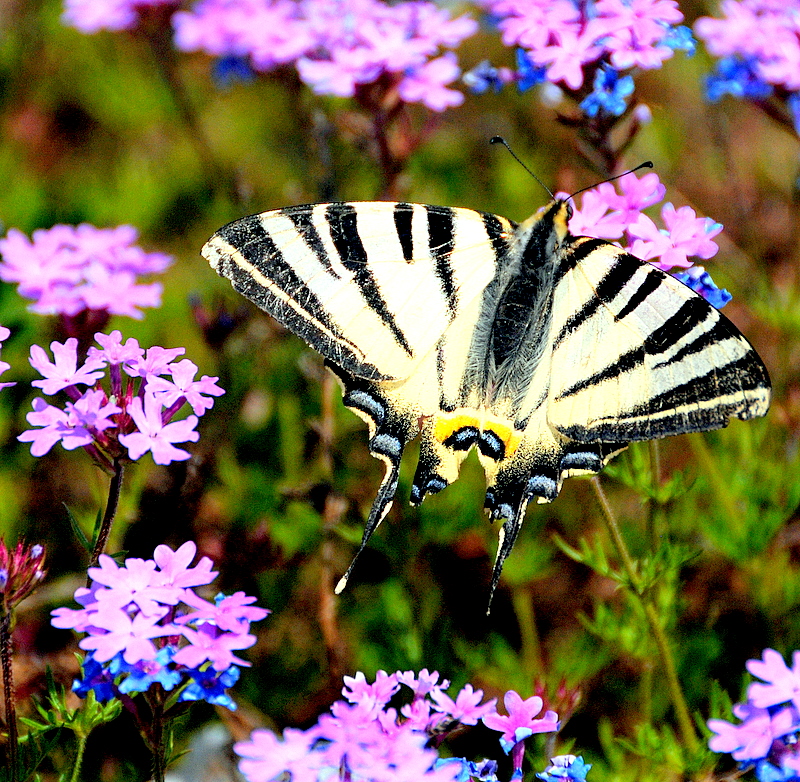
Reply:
x=546, y=352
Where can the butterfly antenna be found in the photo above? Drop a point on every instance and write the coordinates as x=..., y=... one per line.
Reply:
x=501, y=140
x=646, y=164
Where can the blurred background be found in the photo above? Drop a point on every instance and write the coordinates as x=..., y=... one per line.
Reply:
x=119, y=127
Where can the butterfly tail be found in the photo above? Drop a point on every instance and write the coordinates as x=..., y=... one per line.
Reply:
x=381, y=506
x=389, y=434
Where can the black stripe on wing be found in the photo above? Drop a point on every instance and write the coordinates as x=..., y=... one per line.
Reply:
x=258, y=249
x=610, y=286
x=441, y=240
x=403, y=216
x=343, y=223
x=694, y=312
x=303, y=220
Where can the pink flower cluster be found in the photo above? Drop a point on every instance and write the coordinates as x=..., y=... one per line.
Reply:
x=91, y=16
x=767, y=735
x=336, y=46
x=564, y=36
x=363, y=737
x=129, y=421
x=763, y=32
x=608, y=214
x=68, y=269
x=132, y=613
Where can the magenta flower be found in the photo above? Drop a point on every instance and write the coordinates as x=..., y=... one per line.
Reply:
x=205, y=645
x=56, y=425
x=782, y=683
x=608, y=214
x=135, y=421
x=761, y=34
x=175, y=571
x=686, y=235
x=265, y=757
x=422, y=683
x=336, y=47
x=142, y=627
x=358, y=690
x=428, y=84
x=229, y=613
x=566, y=56
x=68, y=269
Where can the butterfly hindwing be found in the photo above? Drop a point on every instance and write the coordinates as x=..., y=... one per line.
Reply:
x=641, y=356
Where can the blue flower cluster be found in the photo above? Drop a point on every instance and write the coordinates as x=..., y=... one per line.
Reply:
x=110, y=680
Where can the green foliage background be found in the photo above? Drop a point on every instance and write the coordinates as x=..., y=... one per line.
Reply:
x=99, y=129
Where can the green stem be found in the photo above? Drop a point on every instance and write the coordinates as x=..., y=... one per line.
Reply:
x=8, y=692
x=114, y=490
x=653, y=620
x=76, y=769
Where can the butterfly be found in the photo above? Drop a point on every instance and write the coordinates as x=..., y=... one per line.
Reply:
x=548, y=353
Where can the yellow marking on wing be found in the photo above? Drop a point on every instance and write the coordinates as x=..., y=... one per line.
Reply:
x=447, y=424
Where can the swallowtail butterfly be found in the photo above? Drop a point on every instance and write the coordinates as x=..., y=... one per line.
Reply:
x=546, y=352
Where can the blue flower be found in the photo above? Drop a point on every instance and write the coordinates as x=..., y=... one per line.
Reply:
x=529, y=74
x=483, y=77
x=699, y=280
x=209, y=685
x=230, y=70
x=609, y=93
x=680, y=38
x=95, y=677
x=565, y=768
x=767, y=772
x=738, y=77
x=793, y=102
x=141, y=675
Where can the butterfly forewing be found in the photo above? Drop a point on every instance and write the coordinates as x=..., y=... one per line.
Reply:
x=371, y=286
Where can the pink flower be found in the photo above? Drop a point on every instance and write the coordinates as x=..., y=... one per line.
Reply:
x=565, y=58
x=63, y=372
x=184, y=388
x=520, y=722
x=155, y=436
x=592, y=218
x=232, y=613
x=782, y=683
x=427, y=84
x=466, y=708
x=174, y=567
x=69, y=269
x=752, y=739
x=129, y=635
x=358, y=690
x=336, y=47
